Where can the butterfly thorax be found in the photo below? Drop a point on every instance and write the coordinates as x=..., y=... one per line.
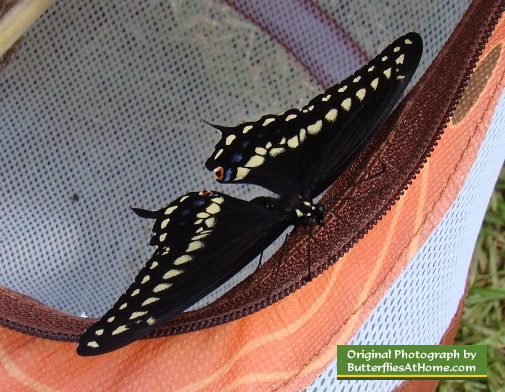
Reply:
x=295, y=210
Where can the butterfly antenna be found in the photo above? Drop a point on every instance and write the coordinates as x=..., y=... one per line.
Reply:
x=279, y=263
x=359, y=197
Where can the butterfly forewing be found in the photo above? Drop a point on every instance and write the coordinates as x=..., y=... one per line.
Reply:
x=374, y=90
x=302, y=151
x=202, y=240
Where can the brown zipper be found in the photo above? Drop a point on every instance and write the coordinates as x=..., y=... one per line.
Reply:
x=404, y=144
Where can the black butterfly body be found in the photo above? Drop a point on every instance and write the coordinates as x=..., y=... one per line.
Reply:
x=203, y=239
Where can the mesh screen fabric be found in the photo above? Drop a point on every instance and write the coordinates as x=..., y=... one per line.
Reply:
x=102, y=110
x=79, y=152
x=426, y=295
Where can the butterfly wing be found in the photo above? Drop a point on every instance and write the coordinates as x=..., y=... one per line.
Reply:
x=303, y=151
x=202, y=240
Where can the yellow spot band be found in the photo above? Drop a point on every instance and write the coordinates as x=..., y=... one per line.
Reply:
x=161, y=287
x=194, y=246
x=183, y=259
x=346, y=104
x=361, y=94
x=145, y=279
x=315, y=128
x=268, y=121
x=293, y=142
x=150, y=301
x=169, y=210
x=120, y=329
x=213, y=208
x=241, y=173
x=247, y=128
x=137, y=315
x=331, y=116
x=230, y=139
x=172, y=273
x=255, y=161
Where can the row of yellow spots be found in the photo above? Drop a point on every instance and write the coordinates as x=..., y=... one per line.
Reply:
x=195, y=244
x=242, y=172
x=331, y=116
x=166, y=219
x=309, y=109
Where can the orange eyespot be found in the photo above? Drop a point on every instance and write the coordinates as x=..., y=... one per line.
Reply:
x=219, y=172
x=205, y=192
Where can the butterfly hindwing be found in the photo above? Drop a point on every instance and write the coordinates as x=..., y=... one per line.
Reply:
x=202, y=240
x=303, y=151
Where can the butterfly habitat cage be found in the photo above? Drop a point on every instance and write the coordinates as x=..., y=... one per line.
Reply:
x=103, y=107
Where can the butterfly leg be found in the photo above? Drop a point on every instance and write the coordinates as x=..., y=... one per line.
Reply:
x=256, y=270
x=318, y=243
x=259, y=263
x=363, y=196
x=279, y=263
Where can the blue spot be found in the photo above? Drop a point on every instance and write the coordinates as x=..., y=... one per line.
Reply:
x=227, y=176
x=237, y=158
x=198, y=202
x=185, y=212
x=259, y=136
x=244, y=144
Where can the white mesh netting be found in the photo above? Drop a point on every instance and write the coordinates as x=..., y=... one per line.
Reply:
x=420, y=305
x=103, y=110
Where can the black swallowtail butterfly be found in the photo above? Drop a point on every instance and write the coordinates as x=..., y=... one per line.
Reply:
x=203, y=239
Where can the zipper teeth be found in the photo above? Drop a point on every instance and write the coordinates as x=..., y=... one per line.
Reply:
x=235, y=315
x=37, y=332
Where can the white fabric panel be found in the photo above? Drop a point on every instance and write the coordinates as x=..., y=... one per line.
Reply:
x=422, y=302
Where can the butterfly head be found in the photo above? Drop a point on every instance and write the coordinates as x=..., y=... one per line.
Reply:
x=309, y=214
x=301, y=212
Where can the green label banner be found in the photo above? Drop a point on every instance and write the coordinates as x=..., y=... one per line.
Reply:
x=431, y=362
